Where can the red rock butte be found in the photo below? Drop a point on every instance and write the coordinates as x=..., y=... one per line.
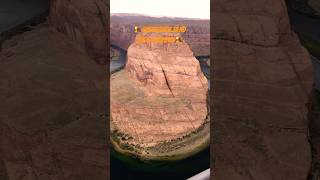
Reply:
x=160, y=97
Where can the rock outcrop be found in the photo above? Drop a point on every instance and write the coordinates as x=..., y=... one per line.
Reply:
x=262, y=77
x=52, y=120
x=86, y=23
x=160, y=97
x=197, y=35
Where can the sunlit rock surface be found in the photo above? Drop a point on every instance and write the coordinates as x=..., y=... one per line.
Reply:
x=160, y=96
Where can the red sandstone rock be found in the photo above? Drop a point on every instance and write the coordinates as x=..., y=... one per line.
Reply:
x=262, y=79
x=86, y=23
x=160, y=95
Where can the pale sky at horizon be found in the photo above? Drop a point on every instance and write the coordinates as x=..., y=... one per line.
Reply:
x=170, y=8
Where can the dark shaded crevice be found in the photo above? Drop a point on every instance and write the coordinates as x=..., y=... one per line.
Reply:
x=3, y=171
x=306, y=25
x=167, y=82
x=314, y=134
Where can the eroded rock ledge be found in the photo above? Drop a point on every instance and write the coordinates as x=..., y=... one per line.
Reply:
x=158, y=102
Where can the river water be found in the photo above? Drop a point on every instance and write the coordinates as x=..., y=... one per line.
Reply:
x=127, y=168
x=118, y=64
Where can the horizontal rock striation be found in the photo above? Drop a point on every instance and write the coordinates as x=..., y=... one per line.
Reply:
x=262, y=79
x=167, y=67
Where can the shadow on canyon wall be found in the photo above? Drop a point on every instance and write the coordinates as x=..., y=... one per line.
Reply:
x=305, y=21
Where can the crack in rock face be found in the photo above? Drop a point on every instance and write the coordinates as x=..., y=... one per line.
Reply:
x=160, y=96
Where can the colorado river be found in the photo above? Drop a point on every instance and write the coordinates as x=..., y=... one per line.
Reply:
x=118, y=64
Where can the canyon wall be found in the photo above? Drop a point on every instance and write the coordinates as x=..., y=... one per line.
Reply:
x=86, y=23
x=53, y=96
x=172, y=66
x=52, y=120
x=197, y=35
x=122, y=35
x=262, y=80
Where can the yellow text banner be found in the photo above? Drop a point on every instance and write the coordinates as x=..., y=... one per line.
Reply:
x=143, y=39
x=164, y=29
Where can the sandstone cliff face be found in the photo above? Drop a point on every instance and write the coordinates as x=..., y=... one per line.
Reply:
x=262, y=79
x=167, y=68
x=160, y=95
x=86, y=23
x=197, y=35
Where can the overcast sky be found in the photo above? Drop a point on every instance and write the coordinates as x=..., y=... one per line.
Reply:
x=171, y=8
